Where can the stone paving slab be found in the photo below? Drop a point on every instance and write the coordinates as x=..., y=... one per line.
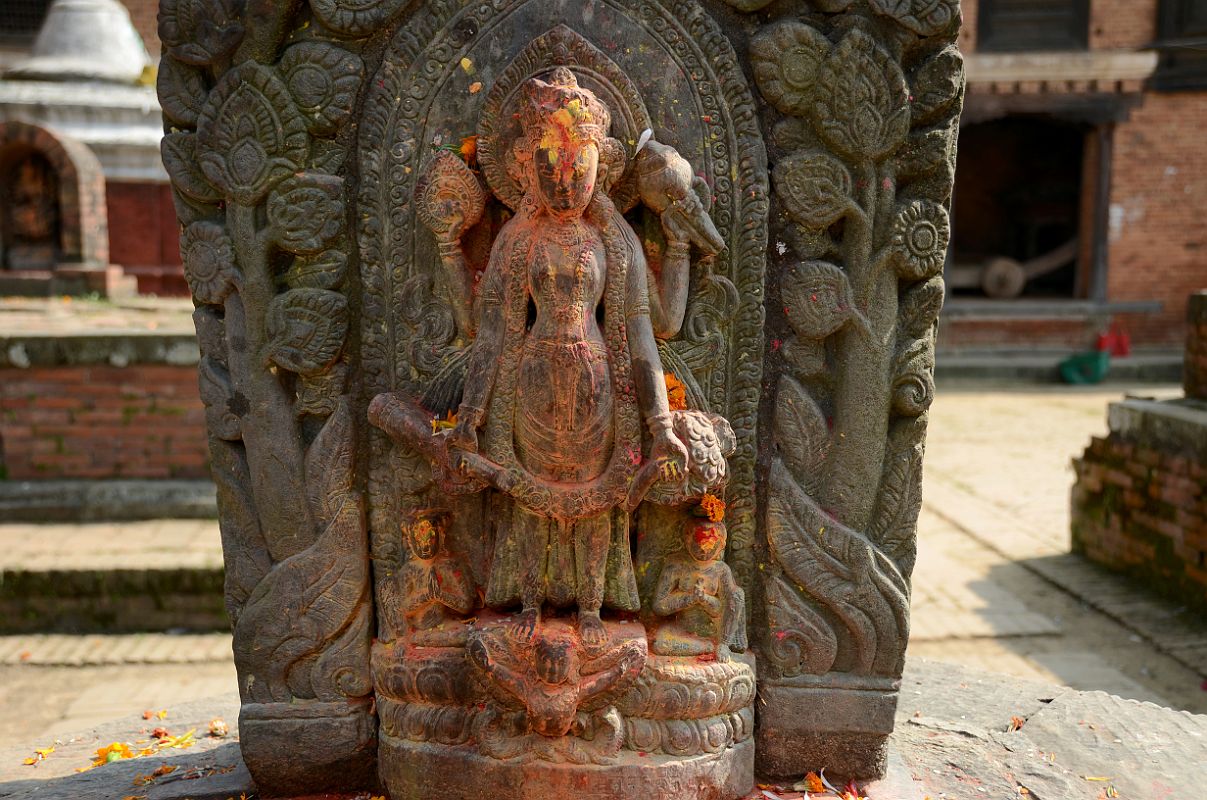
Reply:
x=961, y=734
x=65, y=650
x=147, y=544
x=70, y=316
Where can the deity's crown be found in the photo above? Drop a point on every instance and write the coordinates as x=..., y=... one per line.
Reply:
x=560, y=101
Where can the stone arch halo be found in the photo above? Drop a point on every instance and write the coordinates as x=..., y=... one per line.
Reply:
x=558, y=47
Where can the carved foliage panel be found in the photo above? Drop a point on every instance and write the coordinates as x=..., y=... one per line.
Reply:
x=864, y=106
x=257, y=104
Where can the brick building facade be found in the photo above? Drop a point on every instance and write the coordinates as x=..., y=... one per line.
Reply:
x=1116, y=91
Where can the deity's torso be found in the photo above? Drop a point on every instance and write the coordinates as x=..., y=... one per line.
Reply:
x=564, y=397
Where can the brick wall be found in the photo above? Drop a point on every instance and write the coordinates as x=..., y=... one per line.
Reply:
x=1194, y=376
x=143, y=13
x=139, y=421
x=144, y=236
x=1158, y=242
x=1114, y=24
x=1140, y=509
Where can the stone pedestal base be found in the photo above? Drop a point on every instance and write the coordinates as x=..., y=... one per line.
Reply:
x=848, y=740
x=296, y=749
x=417, y=770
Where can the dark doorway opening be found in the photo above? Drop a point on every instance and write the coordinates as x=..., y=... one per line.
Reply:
x=1018, y=209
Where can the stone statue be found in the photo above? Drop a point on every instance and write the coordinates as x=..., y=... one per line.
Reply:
x=434, y=593
x=515, y=278
x=704, y=606
x=564, y=372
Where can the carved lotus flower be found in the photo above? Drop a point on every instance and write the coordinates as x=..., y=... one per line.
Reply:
x=250, y=133
x=200, y=31
x=306, y=211
x=179, y=153
x=355, y=17
x=919, y=239
x=814, y=186
x=786, y=59
x=323, y=79
x=865, y=112
x=209, y=262
x=923, y=17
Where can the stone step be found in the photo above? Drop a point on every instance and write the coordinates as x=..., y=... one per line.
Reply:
x=154, y=575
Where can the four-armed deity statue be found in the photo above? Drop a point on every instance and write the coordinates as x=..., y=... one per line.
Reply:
x=566, y=368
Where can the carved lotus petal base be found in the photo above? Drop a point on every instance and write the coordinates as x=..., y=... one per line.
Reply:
x=689, y=689
x=308, y=747
x=406, y=769
x=433, y=675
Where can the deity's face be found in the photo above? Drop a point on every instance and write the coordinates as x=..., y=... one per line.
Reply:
x=424, y=539
x=552, y=661
x=566, y=171
x=705, y=541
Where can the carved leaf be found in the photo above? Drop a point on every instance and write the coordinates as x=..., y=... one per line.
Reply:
x=865, y=112
x=300, y=609
x=817, y=299
x=329, y=465
x=914, y=381
x=251, y=135
x=244, y=551
x=323, y=79
x=306, y=211
x=306, y=328
x=925, y=151
x=918, y=239
x=923, y=17
x=806, y=356
x=920, y=307
x=800, y=641
x=319, y=394
x=899, y=501
x=200, y=31
x=355, y=17
x=800, y=431
x=843, y=572
x=216, y=395
x=209, y=262
x=179, y=151
x=786, y=58
x=814, y=186
x=936, y=85
x=325, y=270
x=182, y=90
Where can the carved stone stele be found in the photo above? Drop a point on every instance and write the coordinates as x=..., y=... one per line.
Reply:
x=523, y=427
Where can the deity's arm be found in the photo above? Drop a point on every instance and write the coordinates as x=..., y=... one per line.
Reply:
x=668, y=289
x=630, y=660
x=488, y=344
x=456, y=592
x=459, y=283
x=733, y=621
x=643, y=347
x=503, y=676
x=668, y=598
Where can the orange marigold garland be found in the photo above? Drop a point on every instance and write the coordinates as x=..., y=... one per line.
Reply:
x=714, y=507
x=676, y=392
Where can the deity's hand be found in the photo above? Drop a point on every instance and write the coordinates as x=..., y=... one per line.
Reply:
x=664, y=180
x=462, y=439
x=670, y=454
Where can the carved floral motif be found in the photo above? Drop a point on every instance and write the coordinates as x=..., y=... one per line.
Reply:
x=815, y=186
x=306, y=211
x=355, y=17
x=306, y=329
x=209, y=262
x=787, y=57
x=919, y=238
x=923, y=17
x=323, y=79
x=250, y=134
x=200, y=31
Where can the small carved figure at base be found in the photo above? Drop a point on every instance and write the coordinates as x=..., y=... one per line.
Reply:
x=697, y=593
x=434, y=593
x=555, y=679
